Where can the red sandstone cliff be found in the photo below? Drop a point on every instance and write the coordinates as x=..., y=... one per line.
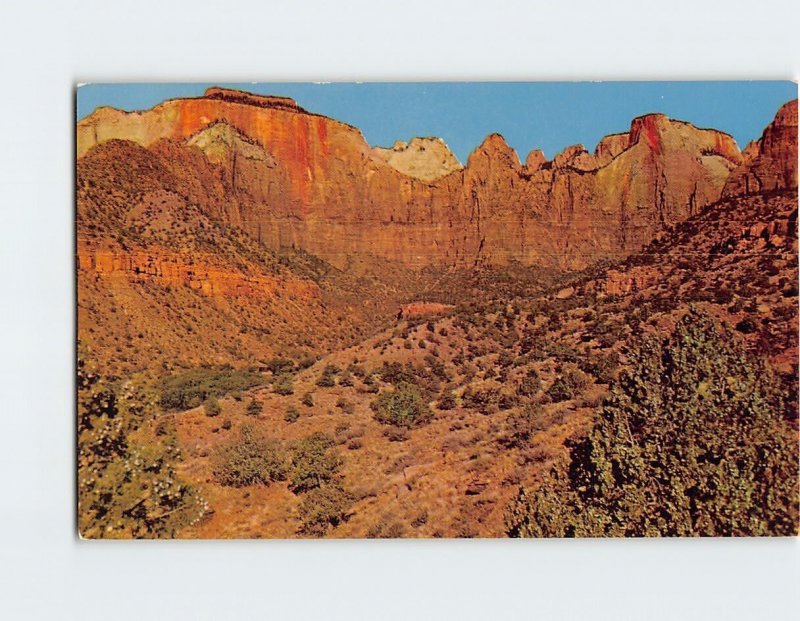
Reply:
x=291, y=178
x=770, y=163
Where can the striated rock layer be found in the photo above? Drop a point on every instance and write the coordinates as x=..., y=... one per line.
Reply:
x=290, y=178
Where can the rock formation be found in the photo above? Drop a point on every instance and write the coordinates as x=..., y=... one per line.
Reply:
x=770, y=164
x=295, y=179
x=427, y=159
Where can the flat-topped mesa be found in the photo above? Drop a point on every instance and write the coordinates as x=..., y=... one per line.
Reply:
x=426, y=158
x=250, y=99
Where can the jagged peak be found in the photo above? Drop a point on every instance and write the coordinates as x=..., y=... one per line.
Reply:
x=495, y=146
x=535, y=160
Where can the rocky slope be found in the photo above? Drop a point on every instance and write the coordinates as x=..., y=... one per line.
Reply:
x=306, y=181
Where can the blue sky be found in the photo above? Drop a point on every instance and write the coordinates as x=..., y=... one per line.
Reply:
x=534, y=115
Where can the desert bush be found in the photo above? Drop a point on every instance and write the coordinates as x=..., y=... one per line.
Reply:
x=396, y=434
x=313, y=463
x=396, y=373
x=190, y=388
x=447, y=400
x=308, y=400
x=212, y=407
x=691, y=441
x=250, y=459
x=328, y=377
x=483, y=396
x=346, y=378
x=345, y=406
x=284, y=385
x=280, y=366
x=523, y=423
x=568, y=385
x=530, y=384
x=602, y=366
x=403, y=407
x=323, y=508
x=255, y=407
x=292, y=415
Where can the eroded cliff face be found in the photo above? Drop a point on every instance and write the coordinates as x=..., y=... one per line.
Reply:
x=294, y=179
x=770, y=163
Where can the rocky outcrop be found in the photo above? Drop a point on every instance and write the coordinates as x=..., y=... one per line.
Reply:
x=295, y=179
x=199, y=273
x=427, y=159
x=770, y=164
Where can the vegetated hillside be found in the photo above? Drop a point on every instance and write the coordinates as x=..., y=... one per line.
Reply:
x=163, y=281
x=508, y=382
x=345, y=418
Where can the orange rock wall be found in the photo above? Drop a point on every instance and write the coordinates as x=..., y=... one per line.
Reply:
x=330, y=195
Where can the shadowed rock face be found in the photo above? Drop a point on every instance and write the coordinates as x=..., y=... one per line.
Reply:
x=770, y=164
x=297, y=179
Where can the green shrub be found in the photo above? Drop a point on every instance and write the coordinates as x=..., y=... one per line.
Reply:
x=328, y=377
x=313, y=463
x=346, y=406
x=530, y=384
x=691, y=441
x=284, y=385
x=292, y=415
x=447, y=400
x=255, y=407
x=396, y=373
x=568, y=385
x=404, y=407
x=212, y=407
x=308, y=400
x=250, y=459
x=323, y=508
x=280, y=366
x=484, y=397
x=189, y=389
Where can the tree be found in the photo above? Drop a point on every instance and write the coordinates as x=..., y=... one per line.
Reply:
x=324, y=507
x=313, y=463
x=126, y=487
x=403, y=407
x=691, y=441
